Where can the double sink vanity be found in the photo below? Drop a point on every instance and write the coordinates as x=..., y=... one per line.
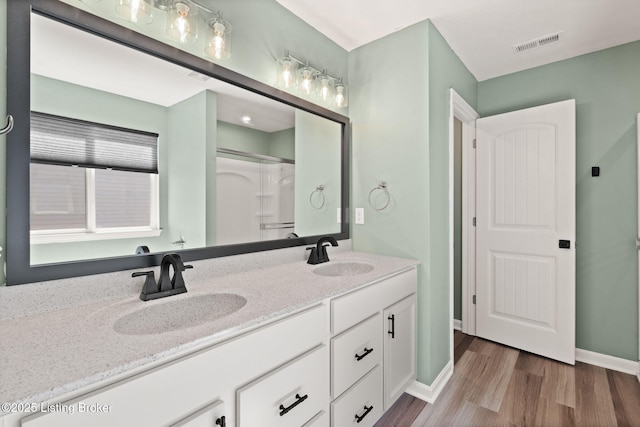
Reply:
x=252, y=335
x=285, y=345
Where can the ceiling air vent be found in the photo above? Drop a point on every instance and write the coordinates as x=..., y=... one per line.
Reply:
x=540, y=41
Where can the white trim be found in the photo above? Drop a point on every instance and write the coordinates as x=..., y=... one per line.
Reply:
x=638, y=231
x=459, y=108
x=457, y=324
x=430, y=393
x=105, y=234
x=606, y=361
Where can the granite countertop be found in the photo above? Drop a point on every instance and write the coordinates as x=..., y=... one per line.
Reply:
x=48, y=354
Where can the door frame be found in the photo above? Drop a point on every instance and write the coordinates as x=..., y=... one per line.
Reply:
x=460, y=109
x=638, y=232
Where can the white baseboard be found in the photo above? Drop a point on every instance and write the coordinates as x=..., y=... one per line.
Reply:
x=430, y=393
x=608, y=362
x=457, y=324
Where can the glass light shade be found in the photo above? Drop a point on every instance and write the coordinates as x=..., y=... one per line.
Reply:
x=341, y=99
x=306, y=83
x=218, y=39
x=325, y=90
x=287, y=73
x=136, y=11
x=182, y=22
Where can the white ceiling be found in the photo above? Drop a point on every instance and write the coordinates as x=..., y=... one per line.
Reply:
x=482, y=32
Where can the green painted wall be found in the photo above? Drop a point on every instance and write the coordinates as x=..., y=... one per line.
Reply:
x=445, y=71
x=400, y=135
x=390, y=142
x=242, y=138
x=187, y=156
x=317, y=146
x=606, y=88
x=283, y=143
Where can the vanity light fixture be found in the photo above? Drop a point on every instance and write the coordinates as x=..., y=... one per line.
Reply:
x=182, y=22
x=135, y=11
x=342, y=94
x=287, y=71
x=219, y=44
x=325, y=88
x=311, y=82
x=306, y=80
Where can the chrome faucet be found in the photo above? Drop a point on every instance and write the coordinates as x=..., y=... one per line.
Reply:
x=318, y=253
x=166, y=285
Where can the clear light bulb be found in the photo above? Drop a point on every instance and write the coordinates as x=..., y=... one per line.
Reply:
x=181, y=23
x=324, y=89
x=287, y=76
x=306, y=84
x=136, y=11
x=218, y=39
x=340, y=98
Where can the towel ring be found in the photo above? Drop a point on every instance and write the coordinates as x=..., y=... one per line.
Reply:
x=9, y=125
x=382, y=187
x=319, y=194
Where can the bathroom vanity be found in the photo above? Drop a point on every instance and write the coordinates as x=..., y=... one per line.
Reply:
x=330, y=344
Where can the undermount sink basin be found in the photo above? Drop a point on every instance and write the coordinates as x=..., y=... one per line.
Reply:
x=178, y=314
x=343, y=269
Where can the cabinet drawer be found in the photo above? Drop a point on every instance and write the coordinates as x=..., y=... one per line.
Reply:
x=320, y=420
x=210, y=415
x=362, y=402
x=354, y=353
x=288, y=396
x=363, y=303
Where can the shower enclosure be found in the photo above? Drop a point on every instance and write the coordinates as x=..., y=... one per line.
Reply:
x=257, y=193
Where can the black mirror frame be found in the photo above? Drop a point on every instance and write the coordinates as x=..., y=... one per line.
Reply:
x=18, y=267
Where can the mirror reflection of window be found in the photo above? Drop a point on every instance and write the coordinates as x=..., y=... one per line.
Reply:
x=90, y=180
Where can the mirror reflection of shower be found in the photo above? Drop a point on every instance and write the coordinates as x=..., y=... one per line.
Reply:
x=260, y=190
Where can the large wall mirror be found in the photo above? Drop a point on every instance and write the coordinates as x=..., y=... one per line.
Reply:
x=126, y=148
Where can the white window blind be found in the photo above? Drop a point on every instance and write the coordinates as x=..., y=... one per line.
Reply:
x=58, y=198
x=123, y=199
x=64, y=141
x=89, y=178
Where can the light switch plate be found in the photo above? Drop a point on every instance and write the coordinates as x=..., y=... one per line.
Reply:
x=339, y=215
x=359, y=215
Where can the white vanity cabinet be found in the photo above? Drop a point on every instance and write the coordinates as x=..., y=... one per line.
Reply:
x=176, y=392
x=399, y=349
x=339, y=362
x=372, y=364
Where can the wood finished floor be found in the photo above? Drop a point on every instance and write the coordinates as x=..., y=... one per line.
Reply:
x=495, y=385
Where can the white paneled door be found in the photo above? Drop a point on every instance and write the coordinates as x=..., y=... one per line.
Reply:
x=525, y=260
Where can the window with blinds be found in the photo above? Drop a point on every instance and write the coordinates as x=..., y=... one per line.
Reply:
x=91, y=181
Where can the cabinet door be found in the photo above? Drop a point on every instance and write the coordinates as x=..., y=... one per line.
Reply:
x=399, y=349
x=210, y=416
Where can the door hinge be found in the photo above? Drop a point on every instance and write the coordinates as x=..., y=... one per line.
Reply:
x=474, y=299
x=474, y=221
x=474, y=143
